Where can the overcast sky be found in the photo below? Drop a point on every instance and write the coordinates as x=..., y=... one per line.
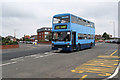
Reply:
x=26, y=17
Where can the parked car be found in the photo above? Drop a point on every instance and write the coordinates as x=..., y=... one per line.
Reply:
x=114, y=41
x=28, y=42
x=21, y=41
x=100, y=40
x=118, y=42
x=34, y=43
x=108, y=41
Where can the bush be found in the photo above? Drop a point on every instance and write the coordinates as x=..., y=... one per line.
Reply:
x=43, y=41
x=7, y=41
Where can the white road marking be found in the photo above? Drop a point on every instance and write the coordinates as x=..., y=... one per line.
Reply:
x=8, y=63
x=13, y=62
x=33, y=55
x=27, y=56
x=16, y=59
x=98, y=43
x=38, y=57
x=46, y=53
x=41, y=56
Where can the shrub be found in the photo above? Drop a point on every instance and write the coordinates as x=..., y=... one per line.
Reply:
x=7, y=41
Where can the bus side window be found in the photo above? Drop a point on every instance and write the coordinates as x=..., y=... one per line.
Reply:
x=84, y=36
x=92, y=25
x=84, y=22
x=89, y=36
x=80, y=21
x=88, y=24
x=74, y=19
x=80, y=36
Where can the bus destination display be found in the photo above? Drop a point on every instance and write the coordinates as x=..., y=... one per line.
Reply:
x=61, y=27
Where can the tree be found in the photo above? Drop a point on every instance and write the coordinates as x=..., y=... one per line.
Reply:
x=49, y=37
x=105, y=36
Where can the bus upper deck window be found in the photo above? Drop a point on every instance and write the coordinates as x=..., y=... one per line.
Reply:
x=61, y=19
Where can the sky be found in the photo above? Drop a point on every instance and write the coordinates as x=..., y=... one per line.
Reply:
x=25, y=17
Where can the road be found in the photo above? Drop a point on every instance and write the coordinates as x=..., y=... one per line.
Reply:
x=24, y=50
x=97, y=62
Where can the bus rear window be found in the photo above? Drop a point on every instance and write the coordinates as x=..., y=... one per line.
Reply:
x=61, y=19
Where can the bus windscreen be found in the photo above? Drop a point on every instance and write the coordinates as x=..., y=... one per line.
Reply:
x=61, y=36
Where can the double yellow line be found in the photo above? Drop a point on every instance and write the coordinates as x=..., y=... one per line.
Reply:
x=86, y=75
x=83, y=77
x=113, y=53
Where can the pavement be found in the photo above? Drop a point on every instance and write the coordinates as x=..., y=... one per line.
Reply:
x=98, y=62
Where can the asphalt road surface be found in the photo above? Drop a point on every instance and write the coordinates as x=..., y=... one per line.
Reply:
x=24, y=50
x=100, y=61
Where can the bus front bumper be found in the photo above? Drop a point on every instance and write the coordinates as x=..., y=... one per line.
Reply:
x=63, y=47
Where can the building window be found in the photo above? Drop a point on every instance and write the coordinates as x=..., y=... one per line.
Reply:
x=46, y=32
x=45, y=36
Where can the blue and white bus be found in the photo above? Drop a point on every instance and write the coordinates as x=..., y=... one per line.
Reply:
x=70, y=32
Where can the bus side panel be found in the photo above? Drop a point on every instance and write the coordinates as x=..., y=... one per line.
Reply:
x=85, y=43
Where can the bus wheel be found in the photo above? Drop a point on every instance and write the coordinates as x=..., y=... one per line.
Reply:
x=79, y=47
x=91, y=44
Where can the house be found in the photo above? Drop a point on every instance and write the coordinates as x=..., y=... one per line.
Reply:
x=26, y=36
x=33, y=37
x=43, y=32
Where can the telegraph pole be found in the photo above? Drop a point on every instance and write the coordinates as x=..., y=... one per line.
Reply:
x=15, y=33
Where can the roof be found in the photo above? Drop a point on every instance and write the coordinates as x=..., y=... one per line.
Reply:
x=44, y=29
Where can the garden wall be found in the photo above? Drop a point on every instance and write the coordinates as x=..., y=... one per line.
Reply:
x=8, y=46
x=44, y=42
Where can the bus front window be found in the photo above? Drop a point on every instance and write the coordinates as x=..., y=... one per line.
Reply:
x=61, y=36
x=61, y=19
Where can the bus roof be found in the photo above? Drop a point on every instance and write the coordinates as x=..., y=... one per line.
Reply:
x=65, y=14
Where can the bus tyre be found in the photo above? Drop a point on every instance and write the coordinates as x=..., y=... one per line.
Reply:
x=91, y=44
x=79, y=47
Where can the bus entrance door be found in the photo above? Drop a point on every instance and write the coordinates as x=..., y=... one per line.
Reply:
x=73, y=40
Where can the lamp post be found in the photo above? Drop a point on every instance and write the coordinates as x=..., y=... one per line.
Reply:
x=113, y=23
x=114, y=28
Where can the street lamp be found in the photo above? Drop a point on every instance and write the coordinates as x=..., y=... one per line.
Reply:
x=113, y=22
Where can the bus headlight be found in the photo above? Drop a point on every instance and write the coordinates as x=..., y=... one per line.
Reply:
x=68, y=46
x=52, y=45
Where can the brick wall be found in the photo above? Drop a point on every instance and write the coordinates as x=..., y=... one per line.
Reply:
x=8, y=46
x=44, y=42
x=41, y=35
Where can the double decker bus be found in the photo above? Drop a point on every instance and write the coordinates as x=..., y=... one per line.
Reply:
x=70, y=32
